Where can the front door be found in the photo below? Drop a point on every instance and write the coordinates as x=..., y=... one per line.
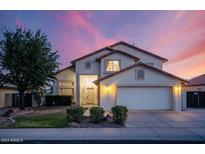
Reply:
x=88, y=90
x=89, y=95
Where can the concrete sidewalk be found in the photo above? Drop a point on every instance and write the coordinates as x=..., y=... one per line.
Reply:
x=118, y=134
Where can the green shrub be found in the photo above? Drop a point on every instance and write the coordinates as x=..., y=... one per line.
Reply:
x=75, y=113
x=96, y=114
x=58, y=100
x=119, y=114
x=68, y=116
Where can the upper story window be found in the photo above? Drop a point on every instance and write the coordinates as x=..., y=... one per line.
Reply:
x=112, y=65
x=87, y=65
x=139, y=74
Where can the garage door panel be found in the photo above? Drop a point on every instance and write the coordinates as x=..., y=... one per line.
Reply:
x=145, y=97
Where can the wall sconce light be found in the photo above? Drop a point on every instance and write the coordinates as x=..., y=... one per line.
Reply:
x=107, y=88
x=178, y=88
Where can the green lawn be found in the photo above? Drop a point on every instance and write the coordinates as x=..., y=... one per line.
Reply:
x=57, y=120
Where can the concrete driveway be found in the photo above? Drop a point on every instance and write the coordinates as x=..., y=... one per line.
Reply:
x=166, y=119
x=141, y=127
x=167, y=125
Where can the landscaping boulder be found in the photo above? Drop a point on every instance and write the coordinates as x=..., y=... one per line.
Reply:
x=7, y=112
x=87, y=113
x=74, y=124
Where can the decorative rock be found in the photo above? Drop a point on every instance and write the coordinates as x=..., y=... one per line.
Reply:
x=108, y=113
x=74, y=125
x=87, y=113
x=7, y=113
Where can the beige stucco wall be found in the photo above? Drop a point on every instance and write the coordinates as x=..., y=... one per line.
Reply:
x=6, y=100
x=66, y=75
x=152, y=78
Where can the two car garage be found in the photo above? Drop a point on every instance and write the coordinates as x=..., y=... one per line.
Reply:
x=157, y=90
x=145, y=98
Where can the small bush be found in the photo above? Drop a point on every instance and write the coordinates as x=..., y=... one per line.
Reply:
x=119, y=114
x=58, y=100
x=75, y=113
x=96, y=114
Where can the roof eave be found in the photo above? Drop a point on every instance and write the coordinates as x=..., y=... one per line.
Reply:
x=125, y=43
x=92, y=53
x=69, y=67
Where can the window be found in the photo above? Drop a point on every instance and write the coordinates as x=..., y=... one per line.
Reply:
x=87, y=65
x=150, y=64
x=112, y=65
x=66, y=91
x=139, y=74
x=66, y=84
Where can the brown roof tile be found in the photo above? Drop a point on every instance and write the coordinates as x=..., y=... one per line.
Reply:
x=197, y=81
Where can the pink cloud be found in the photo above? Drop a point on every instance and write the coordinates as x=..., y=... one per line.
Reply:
x=82, y=21
x=178, y=34
x=79, y=35
x=189, y=52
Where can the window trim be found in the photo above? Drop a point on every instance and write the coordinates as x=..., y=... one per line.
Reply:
x=106, y=62
x=72, y=83
x=136, y=74
x=72, y=89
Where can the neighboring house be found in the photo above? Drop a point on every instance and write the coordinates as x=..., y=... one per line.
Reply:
x=194, y=93
x=9, y=97
x=6, y=94
x=120, y=74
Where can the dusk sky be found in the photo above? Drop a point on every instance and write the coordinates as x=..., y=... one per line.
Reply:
x=178, y=36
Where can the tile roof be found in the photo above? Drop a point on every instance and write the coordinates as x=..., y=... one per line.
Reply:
x=110, y=48
x=197, y=81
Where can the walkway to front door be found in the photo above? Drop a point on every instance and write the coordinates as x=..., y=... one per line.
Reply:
x=88, y=91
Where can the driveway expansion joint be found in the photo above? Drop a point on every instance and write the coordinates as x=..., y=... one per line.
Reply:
x=156, y=133
x=194, y=133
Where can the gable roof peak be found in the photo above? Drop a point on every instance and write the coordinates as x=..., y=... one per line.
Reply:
x=197, y=81
x=137, y=48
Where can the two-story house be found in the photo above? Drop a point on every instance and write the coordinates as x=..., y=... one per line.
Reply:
x=120, y=74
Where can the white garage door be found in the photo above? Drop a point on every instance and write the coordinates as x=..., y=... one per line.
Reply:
x=157, y=98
